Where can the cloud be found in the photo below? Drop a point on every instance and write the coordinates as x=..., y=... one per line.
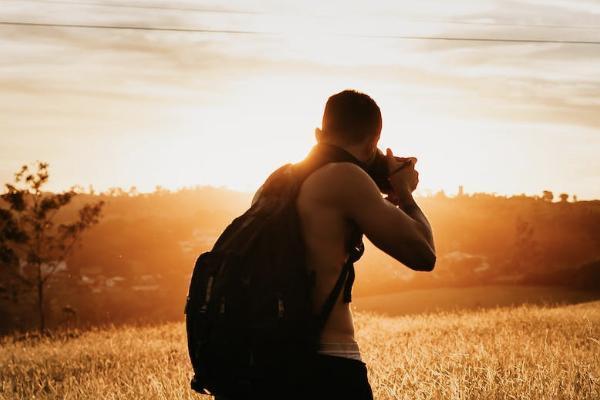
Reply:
x=69, y=83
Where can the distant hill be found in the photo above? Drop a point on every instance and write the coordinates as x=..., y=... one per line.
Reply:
x=136, y=263
x=451, y=299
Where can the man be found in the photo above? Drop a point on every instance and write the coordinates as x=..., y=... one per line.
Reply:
x=340, y=197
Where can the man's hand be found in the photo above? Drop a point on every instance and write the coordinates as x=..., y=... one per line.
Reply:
x=404, y=178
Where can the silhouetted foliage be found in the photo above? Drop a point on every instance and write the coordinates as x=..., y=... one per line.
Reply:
x=547, y=195
x=33, y=246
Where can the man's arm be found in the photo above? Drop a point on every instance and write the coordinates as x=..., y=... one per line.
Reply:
x=412, y=209
x=403, y=233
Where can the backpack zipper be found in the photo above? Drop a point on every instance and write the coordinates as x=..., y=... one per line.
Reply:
x=209, y=285
x=280, y=307
x=222, y=306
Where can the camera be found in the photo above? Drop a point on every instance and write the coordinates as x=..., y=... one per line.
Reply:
x=377, y=168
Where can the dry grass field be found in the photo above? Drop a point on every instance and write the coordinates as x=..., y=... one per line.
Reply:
x=526, y=352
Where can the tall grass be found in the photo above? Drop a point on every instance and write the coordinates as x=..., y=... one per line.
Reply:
x=512, y=353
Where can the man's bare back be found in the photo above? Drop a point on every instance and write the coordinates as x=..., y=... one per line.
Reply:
x=338, y=195
x=326, y=231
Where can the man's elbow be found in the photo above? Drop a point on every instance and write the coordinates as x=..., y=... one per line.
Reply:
x=425, y=262
x=428, y=263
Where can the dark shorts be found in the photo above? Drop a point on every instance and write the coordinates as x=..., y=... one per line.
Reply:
x=330, y=377
x=340, y=378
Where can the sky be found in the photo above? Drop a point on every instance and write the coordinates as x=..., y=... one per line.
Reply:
x=227, y=105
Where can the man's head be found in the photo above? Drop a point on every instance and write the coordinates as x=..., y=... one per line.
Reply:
x=351, y=118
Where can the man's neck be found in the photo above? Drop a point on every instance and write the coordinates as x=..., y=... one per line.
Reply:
x=357, y=150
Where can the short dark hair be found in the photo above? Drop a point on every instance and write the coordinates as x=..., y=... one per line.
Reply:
x=351, y=116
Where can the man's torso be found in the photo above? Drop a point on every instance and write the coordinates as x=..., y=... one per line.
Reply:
x=326, y=231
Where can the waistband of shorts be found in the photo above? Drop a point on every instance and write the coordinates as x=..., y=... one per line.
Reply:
x=348, y=350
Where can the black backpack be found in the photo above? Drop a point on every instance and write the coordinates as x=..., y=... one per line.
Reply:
x=249, y=318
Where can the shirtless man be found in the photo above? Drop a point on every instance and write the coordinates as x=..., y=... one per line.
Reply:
x=340, y=197
x=333, y=196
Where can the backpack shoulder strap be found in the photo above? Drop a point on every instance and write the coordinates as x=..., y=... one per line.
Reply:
x=347, y=276
x=321, y=154
x=285, y=183
x=286, y=180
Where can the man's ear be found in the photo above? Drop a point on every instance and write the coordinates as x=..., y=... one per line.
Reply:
x=375, y=141
x=318, y=134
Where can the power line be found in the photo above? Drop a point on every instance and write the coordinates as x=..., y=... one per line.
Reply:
x=473, y=39
x=515, y=25
x=148, y=7
x=249, y=32
x=248, y=12
x=132, y=27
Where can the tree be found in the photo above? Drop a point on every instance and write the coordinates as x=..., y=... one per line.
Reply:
x=115, y=192
x=547, y=196
x=32, y=243
x=133, y=191
x=564, y=197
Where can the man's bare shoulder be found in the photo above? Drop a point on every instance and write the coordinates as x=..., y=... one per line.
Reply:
x=341, y=181
x=342, y=172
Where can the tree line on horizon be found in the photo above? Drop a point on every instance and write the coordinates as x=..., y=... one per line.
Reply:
x=135, y=261
x=132, y=191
